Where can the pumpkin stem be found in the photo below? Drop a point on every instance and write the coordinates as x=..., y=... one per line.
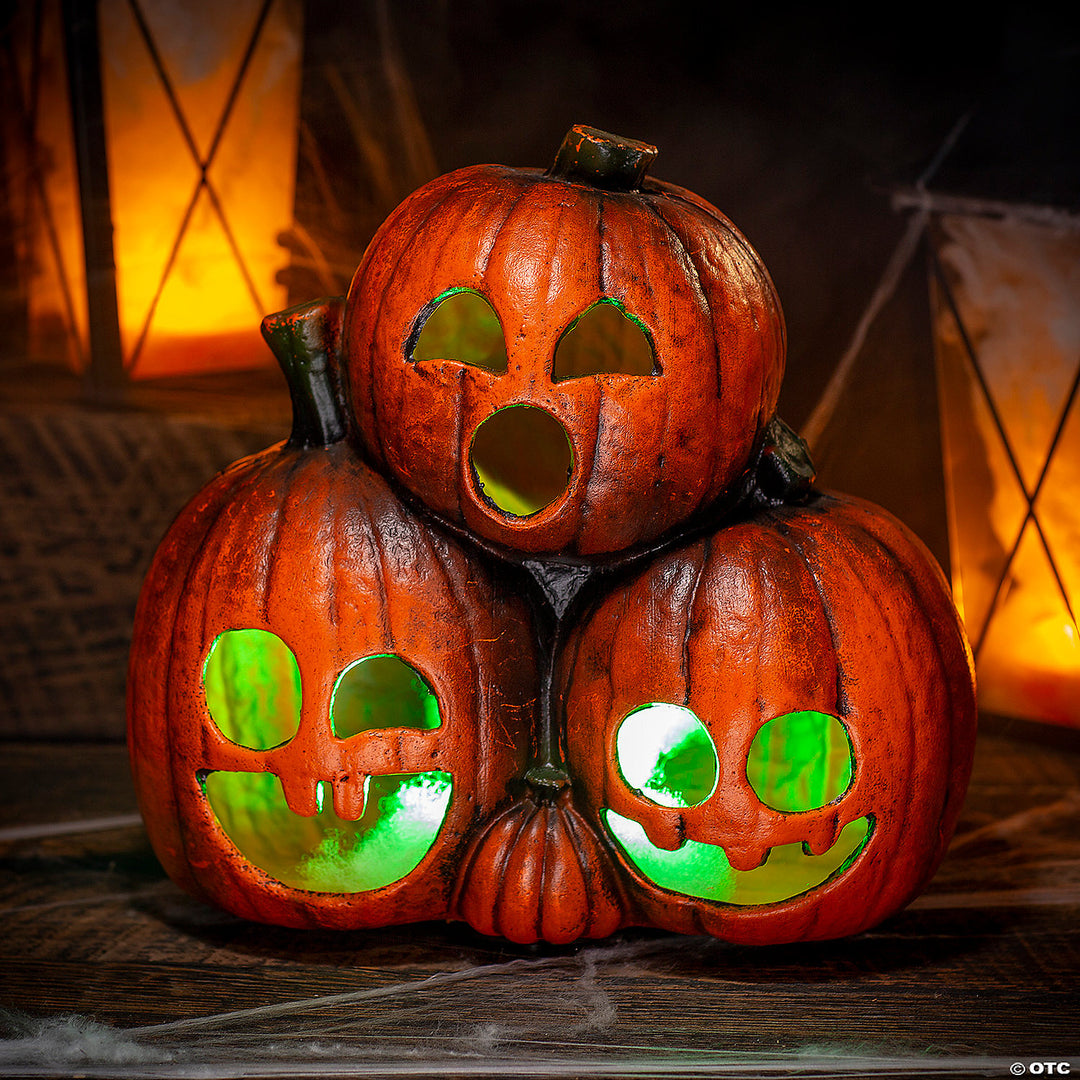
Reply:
x=785, y=471
x=603, y=160
x=305, y=340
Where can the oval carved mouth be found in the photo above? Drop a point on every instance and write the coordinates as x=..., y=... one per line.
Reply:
x=521, y=460
x=402, y=816
x=702, y=870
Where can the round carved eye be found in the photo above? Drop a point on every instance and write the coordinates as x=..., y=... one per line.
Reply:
x=665, y=753
x=382, y=692
x=250, y=680
x=252, y=686
x=459, y=325
x=800, y=761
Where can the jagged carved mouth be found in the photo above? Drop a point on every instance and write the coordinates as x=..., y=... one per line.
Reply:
x=702, y=870
x=402, y=816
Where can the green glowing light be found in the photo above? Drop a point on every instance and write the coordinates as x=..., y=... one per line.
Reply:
x=665, y=752
x=382, y=692
x=702, y=870
x=252, y=686
x=402, y=816
x=522, y=459
x=800, y=761
x=604, y=340
x=462, y=326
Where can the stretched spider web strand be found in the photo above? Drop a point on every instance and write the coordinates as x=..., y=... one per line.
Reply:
x=898, y=262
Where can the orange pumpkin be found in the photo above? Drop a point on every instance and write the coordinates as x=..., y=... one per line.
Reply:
x=325, y=695
x=572, y=361
x=789, y=761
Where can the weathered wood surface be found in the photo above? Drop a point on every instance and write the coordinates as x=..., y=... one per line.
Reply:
x=980, y=972
x=85, y=497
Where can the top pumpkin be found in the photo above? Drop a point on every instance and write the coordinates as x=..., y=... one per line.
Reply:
x=566, y=362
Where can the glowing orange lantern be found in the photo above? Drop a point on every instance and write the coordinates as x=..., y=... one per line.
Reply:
x=1007, y=337
x=201, y=109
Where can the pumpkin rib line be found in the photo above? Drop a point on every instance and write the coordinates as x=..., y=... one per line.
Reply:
x=905, y=768
x=730, y=229
x=656, y=510
x=377, y=554
x=901, y=568
x=684, y=660
x=498, y=870
x=227, y=498
x=786, y=529
x=466, y=454
x=698, y=282
x=612, y=880
x=391, y=278
x=524, y=186
x=282, y=493
x=463, y=606
x=601, y=269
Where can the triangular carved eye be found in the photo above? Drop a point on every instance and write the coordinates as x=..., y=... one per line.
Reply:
x=604, y=340
x=459, y=325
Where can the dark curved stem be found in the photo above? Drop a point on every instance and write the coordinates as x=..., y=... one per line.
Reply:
x=305, y=340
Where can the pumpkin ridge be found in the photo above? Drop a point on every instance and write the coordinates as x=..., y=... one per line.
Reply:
x=519, y=812
x=911, y=721
x=391, y=276
x=475, y=663
x=282, y=492
x=757, y=282
x=523, y=191
x=679, y=194
x=701, y=294
x=884, y=614
x=783, y=527
x=901, y=567
x=377, y=556
x=241, y=480
x=684, y=661
x=575, y=825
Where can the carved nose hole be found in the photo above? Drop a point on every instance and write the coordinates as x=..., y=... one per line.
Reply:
x=521, y=459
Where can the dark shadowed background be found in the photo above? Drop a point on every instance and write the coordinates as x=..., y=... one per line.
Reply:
x=800, y=125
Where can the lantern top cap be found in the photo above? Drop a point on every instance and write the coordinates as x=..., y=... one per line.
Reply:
x=596, y=157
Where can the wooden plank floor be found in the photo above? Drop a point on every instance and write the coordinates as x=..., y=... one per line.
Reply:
x=106, y=969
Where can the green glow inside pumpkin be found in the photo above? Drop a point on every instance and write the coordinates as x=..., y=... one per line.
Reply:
x=605, y=339
x=521, y=459
x=252, y=686
x=402, y=816
x=665, y=752
x=797, y=762
x=461, y=326
x=800, y=761
x=381, y=692
x=702, y=870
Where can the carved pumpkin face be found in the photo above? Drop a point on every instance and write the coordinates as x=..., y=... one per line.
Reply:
x=312, y=673
x=560, y=362
x=790, y=761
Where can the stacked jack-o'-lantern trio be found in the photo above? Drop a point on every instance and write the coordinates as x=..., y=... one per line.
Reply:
x=536, y=620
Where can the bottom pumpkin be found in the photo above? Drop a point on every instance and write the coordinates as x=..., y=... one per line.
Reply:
x=773, y=727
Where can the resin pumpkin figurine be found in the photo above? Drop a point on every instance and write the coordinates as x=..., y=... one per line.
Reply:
x=565, y=362
x=325, y=694
x=649, y=677
x=791, y=761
